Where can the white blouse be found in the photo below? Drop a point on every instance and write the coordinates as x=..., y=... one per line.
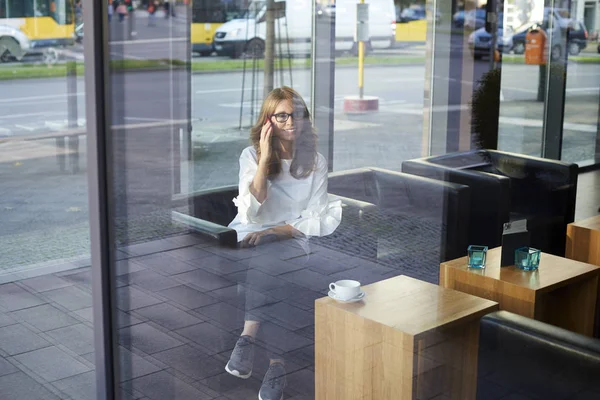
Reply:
x=301, y=203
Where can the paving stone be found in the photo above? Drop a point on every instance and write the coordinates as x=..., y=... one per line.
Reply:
x=16, y=339
x=162, y=385
x=6, y=367
x=191, y=362
x=77, y=338
x=133, y=366
x=165, y=264
x=188, y=253
x=285, y=314
x=257, y=280
x=45, y=317
x=6, y=320
x=218, y=265
x=19, y=386
x=13, y=297
x=149, y=280
x=235, y=254
x=126, y=266
x=82, y=278
x=168, y=316
x=233, y=387
x=130, y=298
x=224, y=315
x=80, y=387
x=71, y=298
x=213, y=339
x=51, y=363
x=46, y=282
x=203, y=280
x=146, y=338
x=298, y=296
x=271, y=264
x=308, y=279
x=301, y=382
x=281, y=338
x=242, y=297
x=187, y=296
x=154, y=246
x=324, y=265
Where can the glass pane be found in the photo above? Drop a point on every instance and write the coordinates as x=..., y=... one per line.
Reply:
x=46, y=327
x=582, y=101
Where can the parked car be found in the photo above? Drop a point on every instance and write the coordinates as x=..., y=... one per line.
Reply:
x=458, y=19
x=475, y=19
x=577, y=40
x=415, y=13
x=481, y=40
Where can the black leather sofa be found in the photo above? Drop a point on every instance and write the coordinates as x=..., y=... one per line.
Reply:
x=529, y=359
x=209, y=212
x=508, y=187
x=419, y=221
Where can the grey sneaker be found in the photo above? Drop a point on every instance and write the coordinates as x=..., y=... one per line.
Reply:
x=242, y=358
x=274, y=383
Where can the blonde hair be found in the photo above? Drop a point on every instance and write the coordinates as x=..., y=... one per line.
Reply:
x=305, y=144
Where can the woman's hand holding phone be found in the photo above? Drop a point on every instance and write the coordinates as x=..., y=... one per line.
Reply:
x=265, y=141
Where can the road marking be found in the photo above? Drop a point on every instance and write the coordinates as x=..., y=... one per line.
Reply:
x=25, y=127
x=577, y=90
x=145, y=41
x=536, y=123
x=16, y=116
x=219, y=90
x=147, y=119
x=50, y=96
x=516, y=89
x=125, y=56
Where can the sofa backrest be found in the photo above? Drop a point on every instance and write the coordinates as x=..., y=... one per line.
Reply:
x=216, y=205
x=535, y=359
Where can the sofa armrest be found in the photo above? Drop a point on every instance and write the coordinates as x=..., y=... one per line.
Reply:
x=223, y=235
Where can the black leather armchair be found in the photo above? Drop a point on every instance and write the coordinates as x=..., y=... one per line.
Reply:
x=533, y=360
x=419, y=222
x=508, y=187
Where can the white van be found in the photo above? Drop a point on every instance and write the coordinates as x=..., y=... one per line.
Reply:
x=247, y=33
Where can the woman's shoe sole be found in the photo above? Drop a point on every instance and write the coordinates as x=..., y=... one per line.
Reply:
x=237, y=374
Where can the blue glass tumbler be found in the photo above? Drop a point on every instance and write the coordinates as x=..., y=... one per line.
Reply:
x=477, y=256
x=527, y=258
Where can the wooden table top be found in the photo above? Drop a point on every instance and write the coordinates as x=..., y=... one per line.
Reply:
x=592, y=223
x=413, y=306
x=553, y=272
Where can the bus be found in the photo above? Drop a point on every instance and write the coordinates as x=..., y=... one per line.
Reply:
x=29, y=26
x=207, y=16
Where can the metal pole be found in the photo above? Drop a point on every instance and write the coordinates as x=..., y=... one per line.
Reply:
x=72, y=115
x=361, y=65
x=280, y=55
x=269, y=48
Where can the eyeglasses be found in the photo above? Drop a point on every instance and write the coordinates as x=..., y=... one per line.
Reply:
x=283, y=117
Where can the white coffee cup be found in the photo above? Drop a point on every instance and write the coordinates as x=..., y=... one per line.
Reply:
x=346, y=289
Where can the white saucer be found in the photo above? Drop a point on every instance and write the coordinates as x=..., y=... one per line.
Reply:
x=359, y=297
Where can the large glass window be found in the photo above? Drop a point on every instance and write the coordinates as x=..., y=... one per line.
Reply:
x=291, y=200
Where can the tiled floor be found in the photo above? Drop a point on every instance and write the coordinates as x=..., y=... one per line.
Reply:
x=180, y=307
